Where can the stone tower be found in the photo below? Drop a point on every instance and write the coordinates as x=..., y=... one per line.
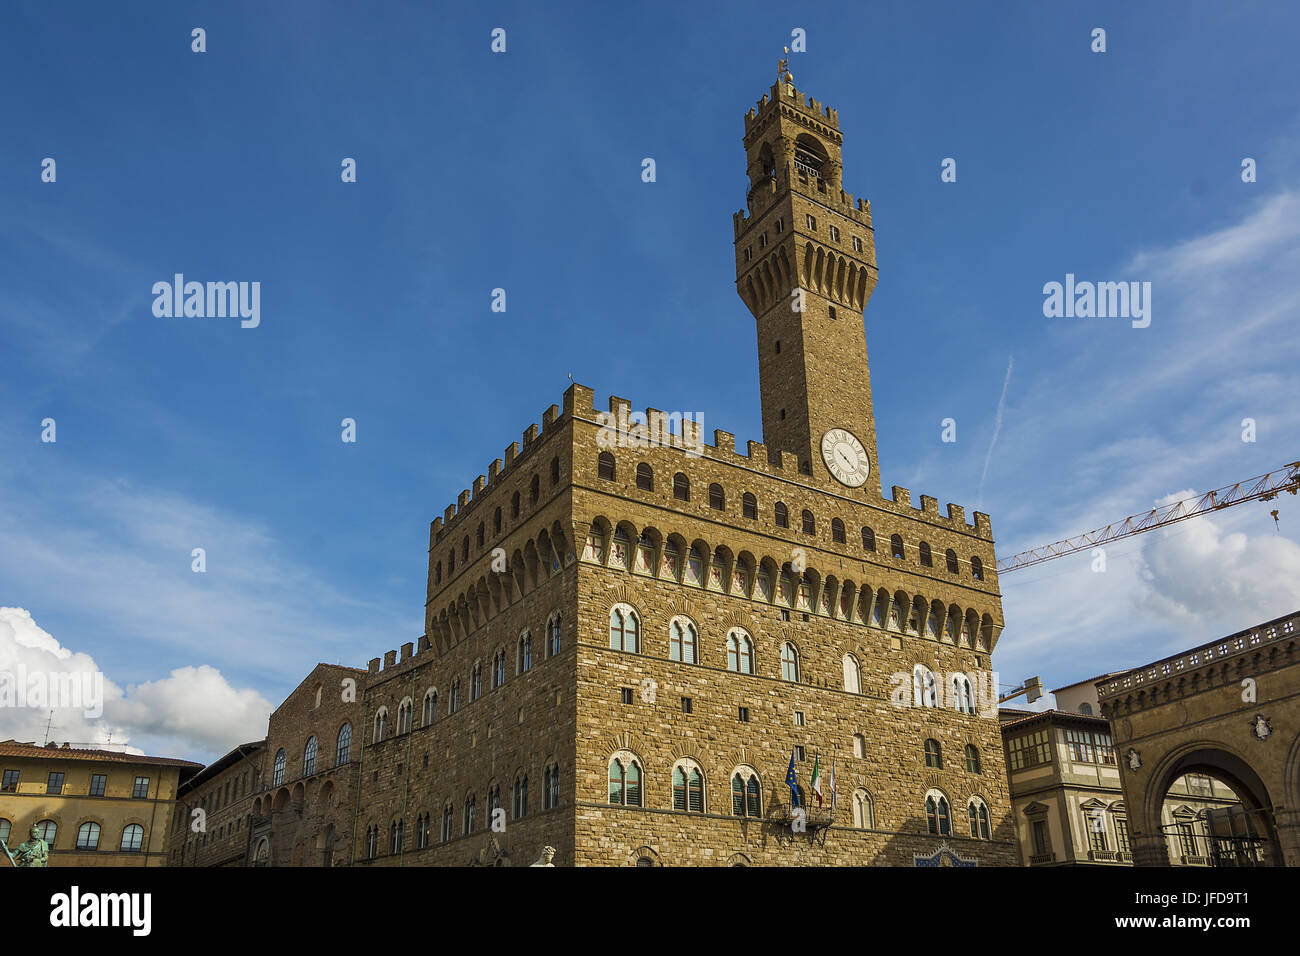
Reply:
x=805, y=267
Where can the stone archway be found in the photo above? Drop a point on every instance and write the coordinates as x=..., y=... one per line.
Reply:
x=1214, y=759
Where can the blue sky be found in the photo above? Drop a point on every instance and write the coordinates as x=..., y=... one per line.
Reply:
x=522, y=171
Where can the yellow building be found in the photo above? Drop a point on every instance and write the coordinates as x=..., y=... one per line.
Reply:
x=93, y=807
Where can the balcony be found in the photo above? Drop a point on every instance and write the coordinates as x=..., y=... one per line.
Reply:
x=1040, y=858
x=1103, y=856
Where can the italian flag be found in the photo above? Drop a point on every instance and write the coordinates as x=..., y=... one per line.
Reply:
x=817, y=781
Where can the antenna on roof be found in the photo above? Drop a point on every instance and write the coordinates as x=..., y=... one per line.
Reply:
x=47, y=728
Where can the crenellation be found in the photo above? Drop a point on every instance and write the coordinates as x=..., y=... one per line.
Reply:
x=510, y=454
x=724, y=442
x=494, y=471
x=549, y=418
x=462, y=500
x=390, y=658
x=930, y=505
x=957, y=514
x=477, y=489
x=901, y=496
x=530, y=436
x=408, y=649
x=372, y=667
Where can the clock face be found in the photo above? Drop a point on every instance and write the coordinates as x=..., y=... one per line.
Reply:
x=845, y=457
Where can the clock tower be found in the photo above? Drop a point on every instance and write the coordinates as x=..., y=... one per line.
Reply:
x=806, y=267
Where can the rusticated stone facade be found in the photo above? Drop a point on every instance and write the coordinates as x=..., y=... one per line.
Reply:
x=602, y=511
x=589, y=584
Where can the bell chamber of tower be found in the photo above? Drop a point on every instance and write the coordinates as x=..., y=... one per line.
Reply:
x=806, y=268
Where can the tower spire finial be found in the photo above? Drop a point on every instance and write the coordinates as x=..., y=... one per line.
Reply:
x=783, y=74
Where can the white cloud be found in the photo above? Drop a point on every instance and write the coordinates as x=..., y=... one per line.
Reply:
x=193, y=710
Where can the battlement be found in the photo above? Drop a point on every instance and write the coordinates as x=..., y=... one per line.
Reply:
x=762, y=197
x=653, y=426
x=785, y=94
x=533, y=437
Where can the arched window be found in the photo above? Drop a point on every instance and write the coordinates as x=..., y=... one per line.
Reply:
x=475, y=681
x=645, y=477
x=555, y=471
x=809, y=524
x=972, y=759
x=471, y=805
x=479, y=538
x=859, y=745
x=976, y=568
x=837, y=531
x=448, y=821
x=343, y=746
x=496, y=521
x=520, y=801
x=309, y=757
x=1086, y=709
x=524, y=658
x=688, y=787
x=937, y=816
x=624, y=780
x=453, y=699
x=534, y=490
x=925, y=687
x=514, y=505
x=430, y=712
x=789, y=662
x=396, y=836
x=978, y=814
x=749, y=506
x=681, y=487
x=746, y=793
x=132, y=838
x=277, y=768
x=551, y=787
x=864, y=810
x=923, y=550
x=464, y=549
x=852, y=675
x=88, y=836
x=740, y=652
x=624, y=629
x=553, y=633
x=896, y=546
x=963, y=698
x=405, y=715
x=381, y=726
x=933, y=754
x=605, y=466
x=372, y=842
x=48, y=830
x=868, y=540
x=683, y=643
x=717, y=500
x=781, y=515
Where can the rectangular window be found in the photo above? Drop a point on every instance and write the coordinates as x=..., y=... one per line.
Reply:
x=141, y=789
x=1121, y=835
x=1029, y=750
x=1096, y=825
x=686, y=705
x=1080, y=743
x=627, y=695
x=10, y=784
x=1186, y=839
x=798, y=752
x=798, y=718
x=857, y=244
x=744, y=715
x=1042, y=839
x=97, y=784
x=55, y=783
x=812, y=223
x=835, y=233
x=1105, y=749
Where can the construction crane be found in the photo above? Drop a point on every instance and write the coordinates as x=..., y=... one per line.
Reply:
x=1260, y=488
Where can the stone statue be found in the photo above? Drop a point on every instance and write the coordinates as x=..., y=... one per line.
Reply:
x=548, y=853
x=35, y=852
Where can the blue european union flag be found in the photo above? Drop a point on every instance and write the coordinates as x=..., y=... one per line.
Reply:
x=790, y=782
